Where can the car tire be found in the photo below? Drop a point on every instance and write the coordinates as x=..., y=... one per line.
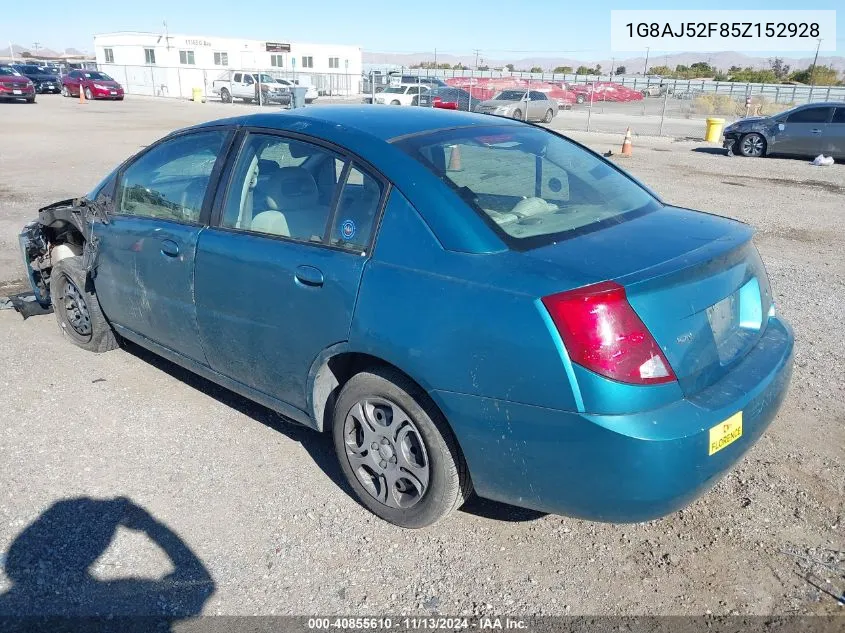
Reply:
x=580, y=98
x=752, y=145
x=409, y=432
x=30, y=100
x=65, y=91
x=549, y=116
x=89, y=95
x=517, y=114
x=77, y=309
x=225, y=96
x=395, y=102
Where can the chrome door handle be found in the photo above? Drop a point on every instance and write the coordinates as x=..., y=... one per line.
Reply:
x=816, y=131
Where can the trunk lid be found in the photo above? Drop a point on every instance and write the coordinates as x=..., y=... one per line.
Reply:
x=695, y=280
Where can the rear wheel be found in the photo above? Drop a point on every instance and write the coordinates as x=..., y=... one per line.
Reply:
x=580, y=99
x=225, y=96
x=30, y=99
x=77, y=309
x=396, y=450
x=549, y=116
x=395, y=102
x=752, y=145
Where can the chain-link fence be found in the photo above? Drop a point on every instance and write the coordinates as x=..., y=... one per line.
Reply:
x=610, y=103
x=180, y=81
x=648, y=105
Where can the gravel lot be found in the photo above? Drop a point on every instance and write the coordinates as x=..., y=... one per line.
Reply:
x=262, y=504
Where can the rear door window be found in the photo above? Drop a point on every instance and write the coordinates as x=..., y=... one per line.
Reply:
x=839, y=116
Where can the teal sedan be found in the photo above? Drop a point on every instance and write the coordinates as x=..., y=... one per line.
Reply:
x=465, y=303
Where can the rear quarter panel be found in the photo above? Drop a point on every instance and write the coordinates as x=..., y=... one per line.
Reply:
x=455, y=321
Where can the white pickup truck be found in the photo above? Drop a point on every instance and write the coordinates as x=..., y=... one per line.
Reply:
x=245, y=85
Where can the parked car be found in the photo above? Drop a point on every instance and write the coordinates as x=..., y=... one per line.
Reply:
x=656, y=91
x=604, y=355
x=448, y=98
x=250, y=87
x=44, y=80
x=807, y=130
x=95, y=85
x=405, y=95
x=14, y=86
x=311, y=93
x=524, y=105
x=397, y=79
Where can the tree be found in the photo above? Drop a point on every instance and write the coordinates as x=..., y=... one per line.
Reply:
x=780, y=69
x=536, y=69
x=509, y=67
x=821, y=76
x=750, y=75
x=583, y=70
x=460, y=66
x=483, y=68
x=563, y=69
x=734, y=69
x=663, y=71
x=621, y=70
x=702, y=69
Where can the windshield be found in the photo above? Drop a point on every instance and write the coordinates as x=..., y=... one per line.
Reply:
x=8, y=70
x=395, y=90
x=510, y=95
x=34, y=70
x=533, y=186
x=266, y=79
x=97, y=76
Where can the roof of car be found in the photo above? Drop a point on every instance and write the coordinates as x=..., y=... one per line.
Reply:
x=381, y=122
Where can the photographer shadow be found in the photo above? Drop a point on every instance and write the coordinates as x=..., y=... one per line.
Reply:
x=50, y=567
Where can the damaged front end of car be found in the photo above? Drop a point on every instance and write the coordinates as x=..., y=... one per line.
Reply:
x=63, y=229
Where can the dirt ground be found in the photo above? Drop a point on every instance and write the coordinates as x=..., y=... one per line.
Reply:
x=252, y=514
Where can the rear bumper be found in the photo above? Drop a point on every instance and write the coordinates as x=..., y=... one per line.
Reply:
x=619, y=468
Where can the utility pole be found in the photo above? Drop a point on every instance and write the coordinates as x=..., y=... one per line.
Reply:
x=645, y=68
x=815, y=59
x=477, y=51
x=435, y=58
x=612, y=67
x=37, y=45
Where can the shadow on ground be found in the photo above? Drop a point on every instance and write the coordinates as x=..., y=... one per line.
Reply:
x=318, y=445
x=49, y=565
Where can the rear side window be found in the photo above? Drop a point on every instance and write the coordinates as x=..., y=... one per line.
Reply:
x=809, y=115
x=532, y=186
x=839, y=116
x=357, y=208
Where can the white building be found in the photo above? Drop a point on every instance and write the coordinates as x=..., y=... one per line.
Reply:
x=162, y=64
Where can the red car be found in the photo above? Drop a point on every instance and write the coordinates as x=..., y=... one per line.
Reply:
x=95, y=84
x=15, y=86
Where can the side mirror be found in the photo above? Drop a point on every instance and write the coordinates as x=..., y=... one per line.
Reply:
x=781, y=127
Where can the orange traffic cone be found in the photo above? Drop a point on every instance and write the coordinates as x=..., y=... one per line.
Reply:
x=81, y=94
x=627, y=148
x=455, y=158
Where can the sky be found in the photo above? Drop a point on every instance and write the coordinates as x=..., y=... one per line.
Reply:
x=499, y=28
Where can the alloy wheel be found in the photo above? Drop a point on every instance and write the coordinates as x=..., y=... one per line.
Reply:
x=752, y=145
x=386, y=452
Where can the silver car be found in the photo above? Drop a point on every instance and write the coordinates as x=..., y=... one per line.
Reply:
x=525, y=105
x=808, y=130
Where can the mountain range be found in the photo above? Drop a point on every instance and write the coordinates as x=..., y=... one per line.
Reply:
x=18, y=50
x=722, y=61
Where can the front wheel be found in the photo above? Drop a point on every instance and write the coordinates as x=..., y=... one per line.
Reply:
x=752, y=145
x=65, y=91
x=396, y=450
x=517, y=114
x=580, y=99
x=549, y=116
x=89, y=95
x=77, y=309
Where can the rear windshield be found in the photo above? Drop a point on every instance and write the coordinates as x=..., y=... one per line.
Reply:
x=532, y=186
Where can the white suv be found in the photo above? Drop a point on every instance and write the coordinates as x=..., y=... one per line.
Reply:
x=403, y=94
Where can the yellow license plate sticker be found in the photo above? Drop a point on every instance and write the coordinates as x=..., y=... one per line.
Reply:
x=725, y=433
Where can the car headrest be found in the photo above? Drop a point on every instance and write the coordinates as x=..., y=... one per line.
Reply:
x=299, y=150
x=267, y=167
x=297, y=188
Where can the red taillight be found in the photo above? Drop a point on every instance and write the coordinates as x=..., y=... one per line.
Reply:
x=602, y=332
